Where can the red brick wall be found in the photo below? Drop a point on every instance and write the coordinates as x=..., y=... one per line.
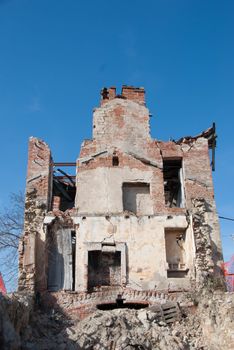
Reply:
x=32, y=258
x=128, y=92
x=134, y=94
x=80, y=305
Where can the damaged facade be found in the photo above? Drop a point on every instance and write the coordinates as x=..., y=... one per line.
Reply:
x=139, y=216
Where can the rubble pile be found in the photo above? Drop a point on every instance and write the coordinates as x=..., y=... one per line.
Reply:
x=208, y=325
x=131, y=329
x=116, y=329
x=15, y=311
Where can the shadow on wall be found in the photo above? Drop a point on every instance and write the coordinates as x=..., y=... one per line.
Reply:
x=104, y=269
x=47, y=323
x=49, y=328
x=24, y=325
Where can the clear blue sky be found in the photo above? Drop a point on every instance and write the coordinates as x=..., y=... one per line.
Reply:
x=56, y=55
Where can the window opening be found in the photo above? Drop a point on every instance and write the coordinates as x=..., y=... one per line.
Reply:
x=104, y=269
x=64, y=190
x=176, y=253
x=115, y=161
x=136, y=198
x=172, y=176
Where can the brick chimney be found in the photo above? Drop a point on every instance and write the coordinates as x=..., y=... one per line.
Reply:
x=128, y=92
x=108, y=94
x=134, y=93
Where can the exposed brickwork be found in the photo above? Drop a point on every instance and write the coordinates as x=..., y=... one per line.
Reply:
x=134, y=94
x=81, y=305
x=206, y=254
x=128, y=92
x=104, y=269
x=37, y=202
x=104, y=216
x=197, y=172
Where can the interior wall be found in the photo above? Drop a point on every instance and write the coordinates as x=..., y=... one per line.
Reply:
x=136, y=198
x=96, y=193
x=104, y=269
x=175, y=247
x=145, y=248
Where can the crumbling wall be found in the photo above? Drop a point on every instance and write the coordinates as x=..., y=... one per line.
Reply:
x=132, y=191
x=122, y=122
x=145, y=248
x=37, y=202
x=122, y=153
x=98, y=176
x=15, y=312
x=216, y=313
x=207, y=326
x=125, y=195
x=79, y=305
x=59, y=253
x=136, y=94
x=206, y=268
x=137, y=154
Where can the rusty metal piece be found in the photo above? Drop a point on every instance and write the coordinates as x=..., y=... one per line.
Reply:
x=67, y=176
x=64, y=164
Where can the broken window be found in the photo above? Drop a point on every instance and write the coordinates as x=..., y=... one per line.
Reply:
x=172, y=176
x=115, y=160
x=136, y=198
x=61, y=259
x=104, y=268
x=64, y=190
x=176, y=253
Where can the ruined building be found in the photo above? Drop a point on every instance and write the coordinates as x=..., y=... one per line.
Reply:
x=138, y=218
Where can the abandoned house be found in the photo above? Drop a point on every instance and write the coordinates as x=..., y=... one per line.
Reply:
x=137, y=215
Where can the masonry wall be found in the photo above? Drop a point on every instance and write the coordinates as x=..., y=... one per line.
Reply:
x=32, y=273
x=145, y=249
x=122, y=155
x=121, y=123
x=121, y=129
x=96, y=176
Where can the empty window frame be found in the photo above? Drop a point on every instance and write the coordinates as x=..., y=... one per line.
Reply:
x=136, y=198
x=115, y=161
x=104, y=269
x=176, y=253
x=173, y=189
x=64, y=190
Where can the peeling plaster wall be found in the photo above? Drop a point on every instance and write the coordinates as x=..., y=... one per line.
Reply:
x=104, y=188
x=121, y=131
x=145, y=248
x=121, y=123
x=37, y=202
x=99, y=183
